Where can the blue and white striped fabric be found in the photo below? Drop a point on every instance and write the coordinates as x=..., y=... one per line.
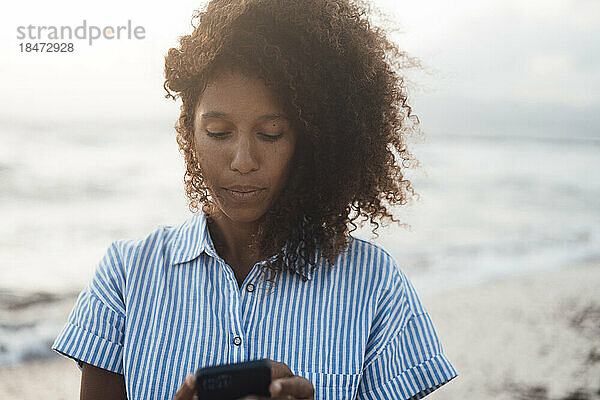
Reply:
x=160, y=307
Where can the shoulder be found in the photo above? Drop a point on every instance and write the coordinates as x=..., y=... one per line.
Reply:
x=373, y=262
x=165, y=244
x=374, y=258
x=126, y=263
x=158, y=242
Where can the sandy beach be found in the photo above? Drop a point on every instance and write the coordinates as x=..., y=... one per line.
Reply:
x=536, y=336
x=531, y=337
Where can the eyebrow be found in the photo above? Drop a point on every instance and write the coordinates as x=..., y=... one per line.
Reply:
x=265, y=117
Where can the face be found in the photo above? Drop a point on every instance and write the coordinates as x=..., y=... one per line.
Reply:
x=244, y=144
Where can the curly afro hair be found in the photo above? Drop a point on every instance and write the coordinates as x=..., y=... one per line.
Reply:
x=339, y=78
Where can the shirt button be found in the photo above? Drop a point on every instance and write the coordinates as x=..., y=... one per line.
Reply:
x=237, y=340
x=250, y=287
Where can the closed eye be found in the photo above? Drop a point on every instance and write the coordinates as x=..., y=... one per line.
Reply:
x=270, y=137
x=221, y=135
x=218, y=135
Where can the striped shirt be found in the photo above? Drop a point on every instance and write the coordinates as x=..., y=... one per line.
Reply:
x=160, y=307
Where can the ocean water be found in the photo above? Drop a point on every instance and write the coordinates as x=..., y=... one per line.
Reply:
x=489, y=207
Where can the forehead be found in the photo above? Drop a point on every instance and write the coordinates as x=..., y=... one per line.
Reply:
x=238, y=93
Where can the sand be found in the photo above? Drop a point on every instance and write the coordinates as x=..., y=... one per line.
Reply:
x=535, y=336
x=532, y=337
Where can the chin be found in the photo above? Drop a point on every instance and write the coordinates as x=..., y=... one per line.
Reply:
x=244, y=215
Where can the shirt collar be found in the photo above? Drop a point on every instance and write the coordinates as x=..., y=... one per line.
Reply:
x=192, y=238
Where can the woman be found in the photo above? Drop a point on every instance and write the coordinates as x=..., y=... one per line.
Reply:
x=292, y=126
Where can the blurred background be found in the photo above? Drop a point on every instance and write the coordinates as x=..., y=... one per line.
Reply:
x=509, y=102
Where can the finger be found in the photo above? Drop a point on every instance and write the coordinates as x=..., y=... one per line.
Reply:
x=186, y=391
x=279, y=370
x=296, y=386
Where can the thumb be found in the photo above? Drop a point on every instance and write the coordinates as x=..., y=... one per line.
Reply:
x=186, y=390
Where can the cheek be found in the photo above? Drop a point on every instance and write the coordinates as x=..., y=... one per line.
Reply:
x=209, y=159
x=207, y=147
x=282, y=160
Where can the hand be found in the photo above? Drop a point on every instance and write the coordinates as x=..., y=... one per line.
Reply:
x=292, y=387
x=187, y=390
x=285, y=385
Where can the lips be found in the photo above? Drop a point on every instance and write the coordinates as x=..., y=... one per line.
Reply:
x=244, y=188
x=245, y=194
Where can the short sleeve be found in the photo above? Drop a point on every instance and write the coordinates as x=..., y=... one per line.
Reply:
x=404, y=357
x=94, y=330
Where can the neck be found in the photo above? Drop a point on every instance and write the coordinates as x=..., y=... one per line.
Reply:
x=232, y=240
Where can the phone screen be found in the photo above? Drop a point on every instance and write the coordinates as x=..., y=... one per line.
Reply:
x=232, y=381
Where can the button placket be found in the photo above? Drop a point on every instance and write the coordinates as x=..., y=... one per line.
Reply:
x=237, y=297
x=234, y=302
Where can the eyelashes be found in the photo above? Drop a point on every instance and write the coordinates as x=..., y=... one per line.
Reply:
x=223, y=135
x=217, y=134
x=271, y=137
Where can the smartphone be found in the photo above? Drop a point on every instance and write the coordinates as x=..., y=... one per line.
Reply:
x=232, y=381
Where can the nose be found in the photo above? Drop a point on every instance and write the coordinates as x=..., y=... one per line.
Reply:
x=244, y=159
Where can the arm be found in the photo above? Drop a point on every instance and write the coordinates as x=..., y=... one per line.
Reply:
x=101, y=384
x=404, y=355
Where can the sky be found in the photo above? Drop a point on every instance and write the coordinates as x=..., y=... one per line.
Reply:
x=492, y=67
